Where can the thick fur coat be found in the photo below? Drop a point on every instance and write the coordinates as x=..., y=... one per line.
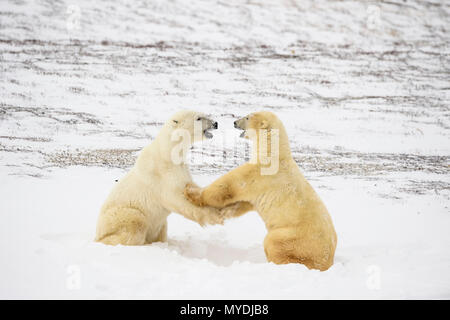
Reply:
x=136, y=210
x=300, y=229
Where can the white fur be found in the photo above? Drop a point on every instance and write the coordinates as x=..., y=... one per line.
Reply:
x=136, y=210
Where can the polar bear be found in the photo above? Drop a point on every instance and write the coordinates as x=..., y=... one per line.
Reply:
x=136, y=210
x=300, y=230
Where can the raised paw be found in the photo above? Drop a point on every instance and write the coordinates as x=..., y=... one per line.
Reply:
x=193, y=194
x=236, y=209
x=215, y=217
x=209, y=216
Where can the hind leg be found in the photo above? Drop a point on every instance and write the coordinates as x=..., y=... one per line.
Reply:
x=277, y=248
x=125, y=226
x=282, y=246
x=161, y=237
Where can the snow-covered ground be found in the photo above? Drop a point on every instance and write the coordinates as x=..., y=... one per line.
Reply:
x=363, y=88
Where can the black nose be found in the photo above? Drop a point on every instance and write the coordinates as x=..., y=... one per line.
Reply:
x=235, y=124
x=215, y=125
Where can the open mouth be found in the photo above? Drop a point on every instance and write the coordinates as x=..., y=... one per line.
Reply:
x=237, y=126
x=242, y=135
x=207, y=133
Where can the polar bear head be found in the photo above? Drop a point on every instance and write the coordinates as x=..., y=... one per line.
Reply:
x=269, y=140
x=196, y=125
x=263, y=120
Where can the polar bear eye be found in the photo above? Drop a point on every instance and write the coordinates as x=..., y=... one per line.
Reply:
x=199, y=118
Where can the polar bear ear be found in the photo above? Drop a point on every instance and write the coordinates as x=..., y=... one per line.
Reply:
x=264, y=124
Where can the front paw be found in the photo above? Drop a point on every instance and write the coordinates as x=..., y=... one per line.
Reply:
x=215, y=218
x=232, y=210
x=193, y=194
x=209, y=216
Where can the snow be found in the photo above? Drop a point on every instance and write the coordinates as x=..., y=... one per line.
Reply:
x=46, y=238
x=363, y=89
